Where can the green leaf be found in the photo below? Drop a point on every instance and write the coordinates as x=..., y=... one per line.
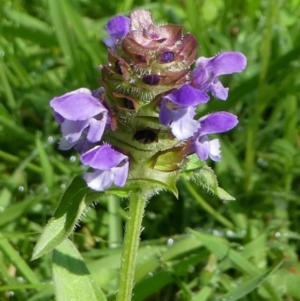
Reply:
x=193, y=163
x=74, y=202
x=72, y=279
x=198, y=172
x=248, y=286
x=206, y=178
x=224, y=195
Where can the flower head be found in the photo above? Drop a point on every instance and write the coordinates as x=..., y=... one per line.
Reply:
x=141, y=122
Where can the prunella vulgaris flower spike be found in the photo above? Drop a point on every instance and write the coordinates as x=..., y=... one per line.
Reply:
x=139, y=127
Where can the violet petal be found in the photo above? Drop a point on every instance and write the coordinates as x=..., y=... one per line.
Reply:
x=167, y=57
x=96, y=129
x=214, y=150
x=77, y=105
x=102, y=157
x=109, y=42
x=165, y=114
x=83, y=145
x=207, y=70
x=118, y=27
x=184, y=127
x=217, y=123
x=186, y=96
x=205, y=148
x=99, y=180
x=202, y=148
x=65, y=144
x=121, y=174
x=58, y=118
x=72, y=130
x=181, y=121
x=228, y=63
x=203, y=74
x=218, y=91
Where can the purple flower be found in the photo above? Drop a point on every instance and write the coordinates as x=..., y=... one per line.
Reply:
x=117, y=27
x=177, y=110
x=110, y=167
x=205, y=75
x=82, y=118
x=212, y=124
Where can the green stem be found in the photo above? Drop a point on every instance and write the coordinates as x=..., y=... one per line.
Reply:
x=130, y=247
x=115, y=222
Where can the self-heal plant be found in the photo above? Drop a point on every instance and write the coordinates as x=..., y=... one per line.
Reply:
x=137, y=133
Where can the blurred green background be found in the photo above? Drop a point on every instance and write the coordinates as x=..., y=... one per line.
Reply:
x=50, y=47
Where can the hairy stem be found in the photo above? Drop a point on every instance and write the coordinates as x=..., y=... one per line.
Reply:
x=130, y=247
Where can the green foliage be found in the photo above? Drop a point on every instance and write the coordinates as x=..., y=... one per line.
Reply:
x=72, y=279
x=50, y=47
x=74, y=202
x=199, y=173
